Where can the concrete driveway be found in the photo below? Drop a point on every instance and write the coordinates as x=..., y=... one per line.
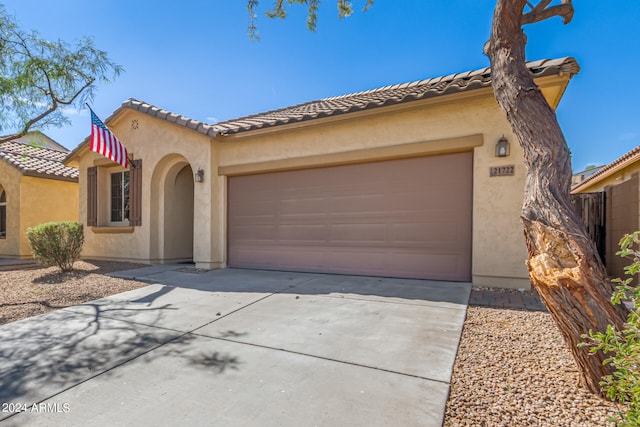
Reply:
x=238, y=347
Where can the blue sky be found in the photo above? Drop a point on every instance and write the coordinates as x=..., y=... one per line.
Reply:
x=195, y=58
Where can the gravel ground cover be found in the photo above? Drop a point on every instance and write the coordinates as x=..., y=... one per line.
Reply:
x=32, y=291
x=513, y=369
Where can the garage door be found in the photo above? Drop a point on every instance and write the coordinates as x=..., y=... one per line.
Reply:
x=397, y=218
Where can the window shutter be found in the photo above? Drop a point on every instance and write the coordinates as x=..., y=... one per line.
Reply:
x=92, y=196
x=135, y=193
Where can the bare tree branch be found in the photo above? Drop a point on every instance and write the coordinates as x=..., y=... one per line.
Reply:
x=541, y=12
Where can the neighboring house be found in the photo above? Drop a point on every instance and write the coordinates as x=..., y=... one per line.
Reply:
x=578, y=177
x=620, y=183
x=401, y=181
x=35, y=187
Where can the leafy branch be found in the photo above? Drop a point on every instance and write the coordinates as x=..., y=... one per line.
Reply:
x=38, y=77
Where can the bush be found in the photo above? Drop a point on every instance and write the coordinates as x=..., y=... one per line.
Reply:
x=623, y=346
x=57, y=243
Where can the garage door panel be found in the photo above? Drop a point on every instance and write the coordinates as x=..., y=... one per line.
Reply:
x=435, y=233
x=376, y=262
x=256, y=232
x=302, y=206
x=359, y=203
x=400, y=218
x=255, y=208
x=302, y=233
x=356, y=233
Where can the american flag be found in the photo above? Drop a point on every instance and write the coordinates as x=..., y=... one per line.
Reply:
x=104, y=142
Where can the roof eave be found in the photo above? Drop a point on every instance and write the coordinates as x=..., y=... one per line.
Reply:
x=36, y=174
x=143, y=107
x=605, y=173
x=548, y=72
x=341, y=116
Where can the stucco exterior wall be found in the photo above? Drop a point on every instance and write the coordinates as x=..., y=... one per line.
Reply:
x=10, y=181
x=45, y=200
x=165, y=149
x=467, y=121
x=32, y=201
x=499, y=251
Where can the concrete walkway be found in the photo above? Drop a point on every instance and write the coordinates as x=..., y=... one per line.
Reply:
x=238, y=347
x=509, y=299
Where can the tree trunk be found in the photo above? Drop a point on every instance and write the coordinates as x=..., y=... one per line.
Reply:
x=564, y=265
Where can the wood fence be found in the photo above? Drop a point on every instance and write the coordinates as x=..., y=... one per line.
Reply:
x=591, y=208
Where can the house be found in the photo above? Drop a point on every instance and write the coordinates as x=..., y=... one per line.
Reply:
x=619, y=182
x=419, y=180
x=578, y=177
x=35, y=187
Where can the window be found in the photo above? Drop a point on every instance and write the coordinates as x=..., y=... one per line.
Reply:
x=117, y=201
x=120, y=196
x=3, y=214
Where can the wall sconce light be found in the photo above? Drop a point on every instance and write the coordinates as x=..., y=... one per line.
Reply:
x=199, y=176
x=502, y=147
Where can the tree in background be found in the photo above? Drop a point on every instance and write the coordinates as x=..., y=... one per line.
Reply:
x=39, y=77
x=564, y=265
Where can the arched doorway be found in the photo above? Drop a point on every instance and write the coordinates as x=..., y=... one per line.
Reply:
x=172, y=204
x=178, y=214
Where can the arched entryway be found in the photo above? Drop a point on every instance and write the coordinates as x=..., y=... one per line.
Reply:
x=172, y=204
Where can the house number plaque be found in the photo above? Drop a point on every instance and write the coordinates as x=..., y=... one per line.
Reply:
x=507, y=170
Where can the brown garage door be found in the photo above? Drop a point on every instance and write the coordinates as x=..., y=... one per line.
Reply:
x=397, y=218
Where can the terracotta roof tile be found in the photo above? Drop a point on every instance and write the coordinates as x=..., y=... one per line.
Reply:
x=344, y=104
x=33, y=160
x=179, y=119
x=388, y=95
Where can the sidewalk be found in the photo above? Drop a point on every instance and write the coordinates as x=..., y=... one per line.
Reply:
x=511, y=299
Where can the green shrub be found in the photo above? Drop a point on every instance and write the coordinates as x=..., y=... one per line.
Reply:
x=57, y=243
x=623, y=347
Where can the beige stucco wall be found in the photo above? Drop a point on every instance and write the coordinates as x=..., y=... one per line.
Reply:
x=499, y=252
x=165, y=149
x=622, y=207
x=32, y=201
x=10, y=180
x=45, y=200
x=469, y=121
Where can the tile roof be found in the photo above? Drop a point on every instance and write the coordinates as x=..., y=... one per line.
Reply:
x=359, y=101
x=40, y=139
x=36, y=161
x=388, y=95
x=334, y=106
x=178, y=119
x=619, y=163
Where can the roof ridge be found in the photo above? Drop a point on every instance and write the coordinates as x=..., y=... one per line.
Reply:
x=18, y=140
x=347, y=103
x=386, y=95
x=34, y=147
x=466, y=75
x=145, y=107
x=43, y=166
x=277, y=110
